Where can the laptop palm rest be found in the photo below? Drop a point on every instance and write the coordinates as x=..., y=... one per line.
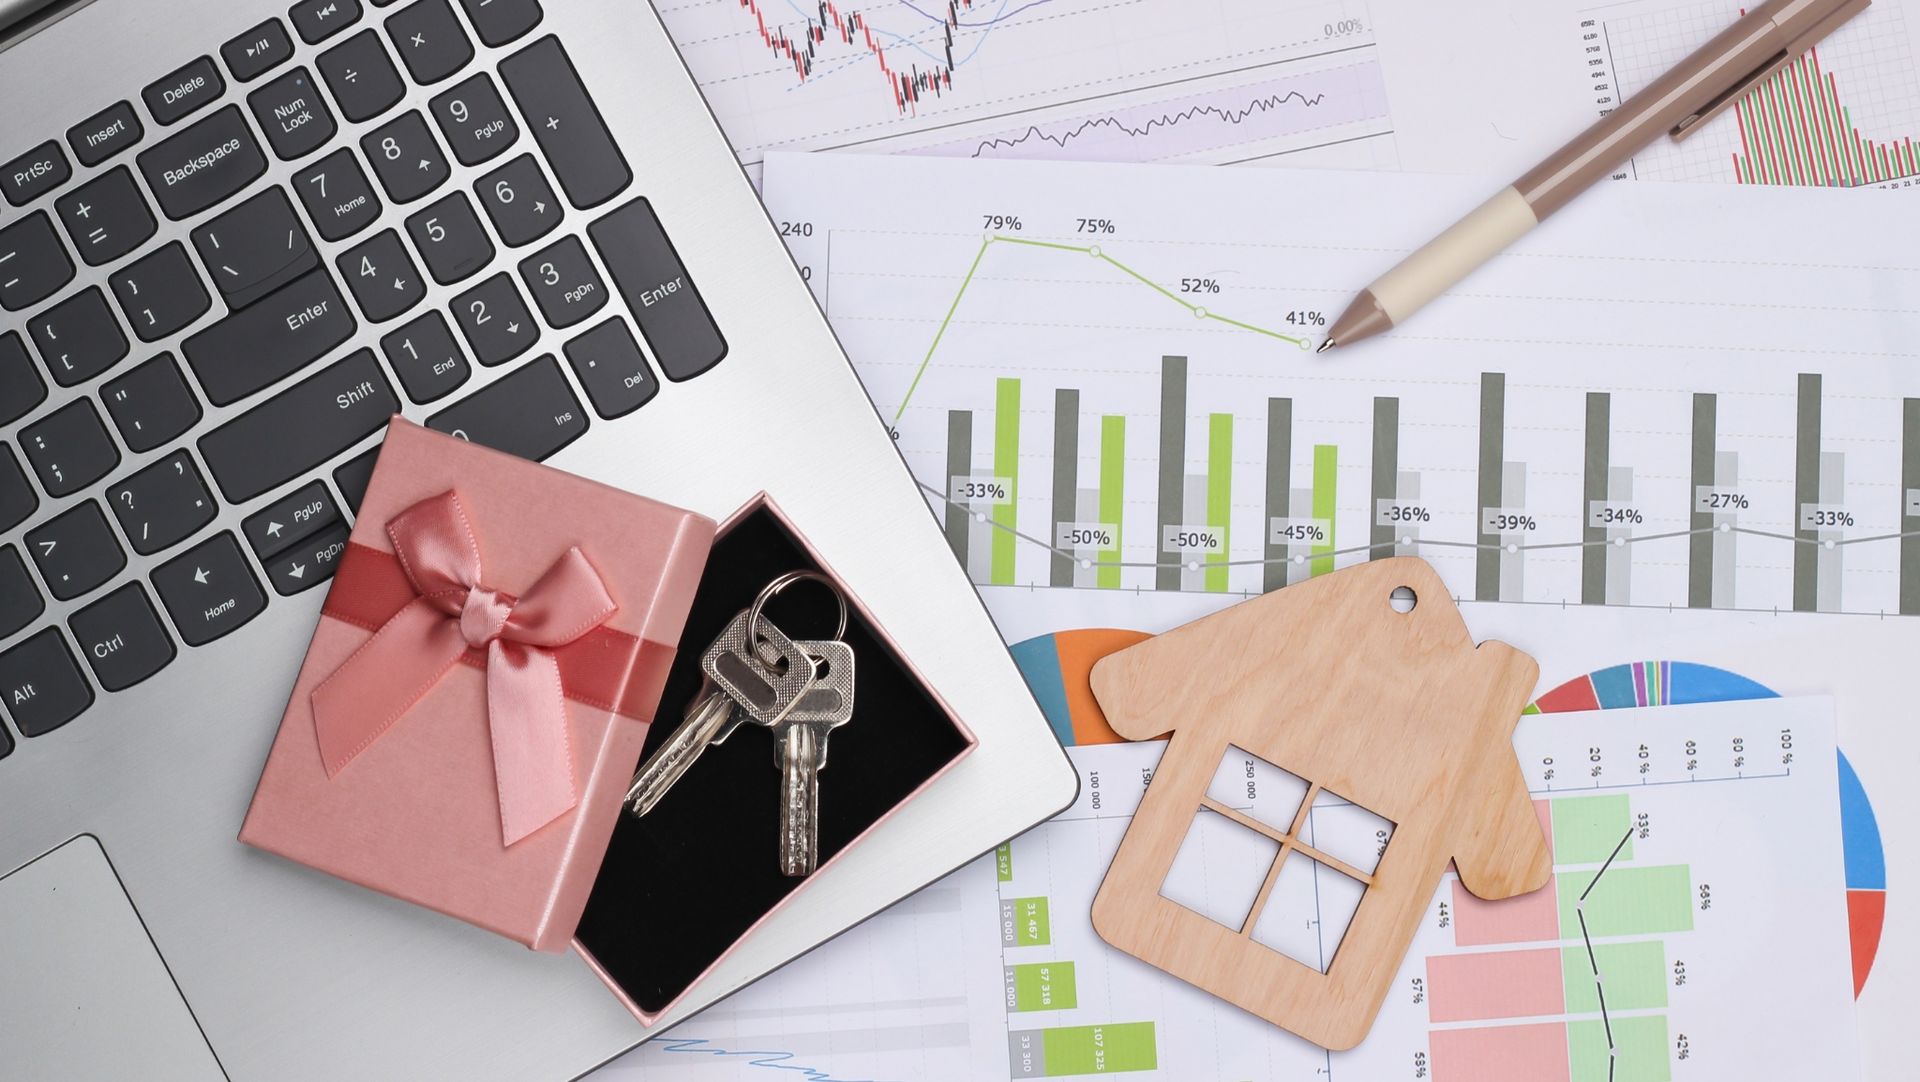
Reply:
x=98, y=1002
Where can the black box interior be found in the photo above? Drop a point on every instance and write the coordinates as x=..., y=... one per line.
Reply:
x=683, y=884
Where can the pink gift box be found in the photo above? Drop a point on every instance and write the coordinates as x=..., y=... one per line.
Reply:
x=415, y=809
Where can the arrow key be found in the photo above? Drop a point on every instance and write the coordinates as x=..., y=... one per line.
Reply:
x=519, y=201
x=309, y=563
x=209, y=590
x=279, y=525
x=405, y=157
x=495, y=320
x=382, y=276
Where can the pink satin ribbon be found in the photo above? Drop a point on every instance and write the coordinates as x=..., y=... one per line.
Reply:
x=453, y=612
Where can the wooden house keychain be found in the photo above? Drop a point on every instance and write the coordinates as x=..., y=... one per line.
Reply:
x=1394, y=711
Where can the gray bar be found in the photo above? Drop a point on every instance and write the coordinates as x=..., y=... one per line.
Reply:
x=1700, y=545
x=1909, y=521
x=1593, y=558
x=1493, y=422
x=1386, y=473
x=1066, y=473
x=1173, y=466
x=1806, y=490
x=1279, y=496
x=959, y=464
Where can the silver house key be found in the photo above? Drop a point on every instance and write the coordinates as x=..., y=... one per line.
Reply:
x=801, y=751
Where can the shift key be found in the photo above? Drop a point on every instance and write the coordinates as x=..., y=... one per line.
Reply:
x=300, y=428
x=279, y=335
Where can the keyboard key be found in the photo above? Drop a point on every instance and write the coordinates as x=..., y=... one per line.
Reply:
x=647, y=270
x=69, y=448
x=450, y=238
x=258, y=51
x=105, y=133
x=430, y=40
x=255, y=248
x=495, y=320
x=20, y=601
x=161, y=293
x=608, y=363
x=6, y=743
x=301, y=513
x=564, y=283
x=21, y=387
x=180, y=93
x=310, y=562
x=290, y=111
x=122, y=638
x=33, y=262
x=474, y=120
x=405, y=157
x=564, y=119
x=261, y=345
x=152, y=404
x=78, y=338
x=76, y=551
x=34, y=173
x=530, y=412
x=41, y=684
x=426, y=358
x=364, y=82
x=208, y=590
x=300, y=428
x=318, y=20
x=337, y=195
x=523, y=208
x=203, y=165
x=500, y=21
x=162, y=505
x=382, y=276
x=107, y=217
x=17, y=498
x=352, y=477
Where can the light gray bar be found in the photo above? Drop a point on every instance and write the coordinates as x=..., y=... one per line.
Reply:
x=1700, y=574
x=1910, y=522
x=1806, y=490
x=1386, y=473
x=1194, y=512
x=1593, y=558
x=1726, y=476
x=1173, y=465
x=1493, y=442
x=1066, y=474
x=1279, y=496
x=1298, y=571
x=1513, y=493
x=1407, y=487
x=1827, y=561
x=959, y=464
x=1619, y=557
x=1086, y=509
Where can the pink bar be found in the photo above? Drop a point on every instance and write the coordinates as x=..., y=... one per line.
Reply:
x=1536, y=1053
x=1498, y=984
x=1530, y=918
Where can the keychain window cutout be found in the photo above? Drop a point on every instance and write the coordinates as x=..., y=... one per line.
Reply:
x=1348, y=832
x=1307, y=912
x=1219, y=869
x=1266, y=793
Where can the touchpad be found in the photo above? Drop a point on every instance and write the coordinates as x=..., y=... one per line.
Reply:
x=87, y=995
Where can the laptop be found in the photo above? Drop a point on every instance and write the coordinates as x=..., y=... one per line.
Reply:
x=235, y=236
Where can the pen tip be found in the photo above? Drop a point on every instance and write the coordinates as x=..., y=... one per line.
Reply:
x=1326, y=345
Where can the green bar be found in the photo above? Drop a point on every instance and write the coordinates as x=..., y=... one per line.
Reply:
x=1006, y=463
x=1219, y=495
x=1635, y=972
x=1627, y=901
x=1639, y=1050
x=1041, y=986
x=1070, y=1050
x=1586, y=828
x=1326, y=467
x=1031, y=926
x=1003, y=862
x=1113, y=482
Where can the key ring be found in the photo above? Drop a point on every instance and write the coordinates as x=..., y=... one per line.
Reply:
x=767, y=656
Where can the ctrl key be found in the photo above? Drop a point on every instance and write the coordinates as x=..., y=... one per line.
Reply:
x=209, y=590
x=122, y=638
x=42, y=685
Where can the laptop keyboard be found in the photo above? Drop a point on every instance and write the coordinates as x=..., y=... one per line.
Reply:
x=552, y=218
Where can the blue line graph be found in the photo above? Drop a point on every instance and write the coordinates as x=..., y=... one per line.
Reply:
x=769, y=1060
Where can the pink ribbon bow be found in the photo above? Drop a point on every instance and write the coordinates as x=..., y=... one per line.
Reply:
x=455, y=612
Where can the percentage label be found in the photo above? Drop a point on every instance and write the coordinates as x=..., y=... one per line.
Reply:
x=1307, y=319
x=1095, y=225
x=1506, y=520
x=1084, y=536
x=1298, y=531
x=980, y=491
x=1822, y=516
x=1001, y=221
x=1707, y=498
x=1192, y=539
x=1601, y=513
x=1344, y=27
x=1199, y=285
x=1399, y=513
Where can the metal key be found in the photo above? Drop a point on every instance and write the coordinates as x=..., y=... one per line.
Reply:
x=738, y=686
x=801, y=751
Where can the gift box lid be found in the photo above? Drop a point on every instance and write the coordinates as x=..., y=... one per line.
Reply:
x=416, y=800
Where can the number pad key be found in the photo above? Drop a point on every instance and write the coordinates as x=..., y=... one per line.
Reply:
x=564, y=283
x=20, y=601
x=364, y=82
x=33, y=262
x=337, y=195
x=151, y=404
x=495, y=320
x=122, y=638
x=290, y=111
x=450, y=238
x=107, y=217
x=162, y=505
x=474, y=120
x=430, y=40
x=69, y=448
x=208, y=590
x=406, y=158
x=608, y=363
x=426, y=358
x=76, y=551
x=41, y=685
x=382, y=276
x=161, y=293
x=21, y=388
x=530, y=412
x=78, y=338
x=519, y=201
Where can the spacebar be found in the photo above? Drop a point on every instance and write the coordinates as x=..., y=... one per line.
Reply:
x=299, y=428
